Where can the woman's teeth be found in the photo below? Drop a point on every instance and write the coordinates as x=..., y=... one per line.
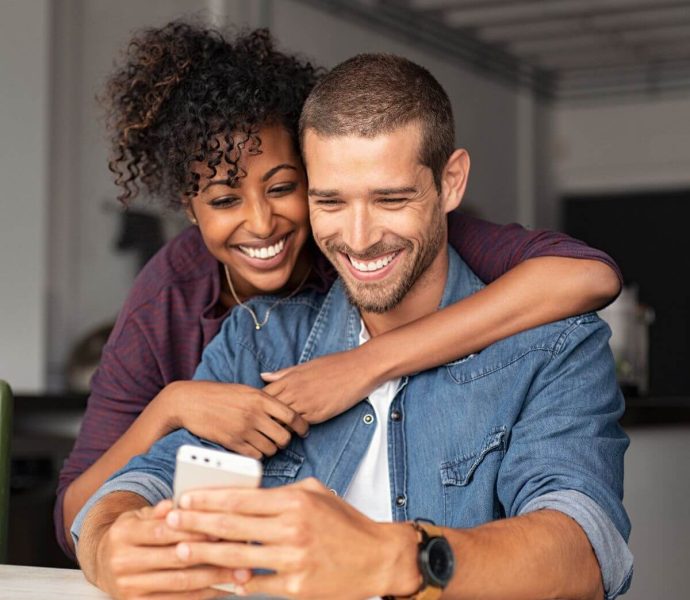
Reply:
x=266, y=252
x=373, y=265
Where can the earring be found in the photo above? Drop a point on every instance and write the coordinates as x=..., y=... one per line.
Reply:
x=193, y=221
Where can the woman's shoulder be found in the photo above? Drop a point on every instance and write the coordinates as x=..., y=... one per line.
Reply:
x=182, y=268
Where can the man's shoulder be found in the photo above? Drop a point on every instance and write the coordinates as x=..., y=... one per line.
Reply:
x=539, y=345
x=284, y=324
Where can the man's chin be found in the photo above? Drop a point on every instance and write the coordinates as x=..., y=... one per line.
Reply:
x=372, y=300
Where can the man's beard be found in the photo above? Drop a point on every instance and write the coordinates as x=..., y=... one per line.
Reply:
x=375, y=297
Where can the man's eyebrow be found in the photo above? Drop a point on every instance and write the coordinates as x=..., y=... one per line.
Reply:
x=323, y=193
x=410, y=189
x=271, y=172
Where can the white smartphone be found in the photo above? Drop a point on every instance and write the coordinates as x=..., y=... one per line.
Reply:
x=202, y=468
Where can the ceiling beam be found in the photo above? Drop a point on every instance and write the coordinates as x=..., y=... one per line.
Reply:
x=536, y=12
x=556, y=29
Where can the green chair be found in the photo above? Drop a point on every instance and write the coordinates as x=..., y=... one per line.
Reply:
x=6, y=405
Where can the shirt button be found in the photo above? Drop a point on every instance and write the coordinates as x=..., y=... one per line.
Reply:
x=401, y=500
x=368, y=419
x=396, y=415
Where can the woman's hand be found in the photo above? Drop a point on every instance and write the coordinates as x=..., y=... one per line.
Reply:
x=326, y=386
x=238, y=417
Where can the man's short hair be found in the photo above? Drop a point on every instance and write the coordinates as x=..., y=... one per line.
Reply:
x=373, y=94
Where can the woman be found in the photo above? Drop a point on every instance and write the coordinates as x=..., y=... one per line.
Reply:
x=211, y=125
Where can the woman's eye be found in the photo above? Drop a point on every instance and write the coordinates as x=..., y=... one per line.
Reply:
x=282, y=189
x=224, y=202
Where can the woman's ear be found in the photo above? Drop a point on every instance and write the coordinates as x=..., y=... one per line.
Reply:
x=454, y=179
x=190, y=213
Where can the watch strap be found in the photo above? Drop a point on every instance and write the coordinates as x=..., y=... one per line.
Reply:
x=425, y=531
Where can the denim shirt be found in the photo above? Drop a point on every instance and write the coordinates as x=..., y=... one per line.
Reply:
x=530, y=422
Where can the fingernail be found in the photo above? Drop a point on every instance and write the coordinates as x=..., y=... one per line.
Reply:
x=240, y=591
x=185, y=502
x=242, y=575
x=306, y=435
x=173, y=519
x=182, y=551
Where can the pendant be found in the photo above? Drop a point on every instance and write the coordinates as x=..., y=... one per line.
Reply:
x=258, y=326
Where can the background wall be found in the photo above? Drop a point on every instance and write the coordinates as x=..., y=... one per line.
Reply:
x=24, y=141
x=629, y=145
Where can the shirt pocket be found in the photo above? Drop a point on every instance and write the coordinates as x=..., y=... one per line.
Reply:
x=282, y=468
x=469, y=483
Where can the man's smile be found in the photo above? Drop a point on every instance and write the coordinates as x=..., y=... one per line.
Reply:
x=373, y=269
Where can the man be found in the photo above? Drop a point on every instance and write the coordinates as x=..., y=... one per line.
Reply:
x=514, y=452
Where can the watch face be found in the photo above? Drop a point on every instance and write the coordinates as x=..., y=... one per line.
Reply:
x=440, y=561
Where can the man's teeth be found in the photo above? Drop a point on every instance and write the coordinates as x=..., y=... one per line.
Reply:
x=373, y=265
x=266, y=252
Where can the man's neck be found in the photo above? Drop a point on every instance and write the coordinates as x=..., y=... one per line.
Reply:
x=423, y=299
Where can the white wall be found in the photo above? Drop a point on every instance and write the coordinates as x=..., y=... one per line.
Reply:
x=630, y=145
x=24, y=82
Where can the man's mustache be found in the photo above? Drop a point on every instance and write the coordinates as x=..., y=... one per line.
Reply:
x=373, y=251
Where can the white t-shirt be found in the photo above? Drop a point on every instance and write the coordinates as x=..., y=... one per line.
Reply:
x=370, y=489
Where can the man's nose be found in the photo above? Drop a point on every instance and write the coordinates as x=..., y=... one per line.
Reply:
x=361, y=229
x=259, y=218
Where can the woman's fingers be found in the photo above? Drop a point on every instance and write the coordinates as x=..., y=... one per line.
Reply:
x=260, y=442
x=274, y=375
x=285, y=415
x=274, y=431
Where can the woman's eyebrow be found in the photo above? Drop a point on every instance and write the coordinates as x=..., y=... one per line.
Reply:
x=271, y=172
x=225, y=182
x=232, y=182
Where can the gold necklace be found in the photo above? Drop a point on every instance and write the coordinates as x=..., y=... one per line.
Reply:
x=270, y=308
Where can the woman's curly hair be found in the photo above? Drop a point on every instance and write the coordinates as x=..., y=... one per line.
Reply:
x=181, y=93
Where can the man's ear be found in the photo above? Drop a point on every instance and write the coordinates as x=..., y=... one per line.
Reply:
x=454, y=179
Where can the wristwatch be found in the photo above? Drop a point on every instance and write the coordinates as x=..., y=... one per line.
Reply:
x=435, y=561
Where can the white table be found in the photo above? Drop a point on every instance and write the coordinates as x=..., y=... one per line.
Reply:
x=38, y=583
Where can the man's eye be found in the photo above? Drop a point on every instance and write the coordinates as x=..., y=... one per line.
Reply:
x=392, y=201
x=224, y=202
x=328, y=202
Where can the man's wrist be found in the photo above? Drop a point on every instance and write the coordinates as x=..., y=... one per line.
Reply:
x=399, y=572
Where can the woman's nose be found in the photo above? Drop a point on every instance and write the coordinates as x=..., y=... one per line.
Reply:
x=260, y=220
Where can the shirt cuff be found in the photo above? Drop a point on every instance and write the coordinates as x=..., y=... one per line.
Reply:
x=612, y=552
x=149, y=487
